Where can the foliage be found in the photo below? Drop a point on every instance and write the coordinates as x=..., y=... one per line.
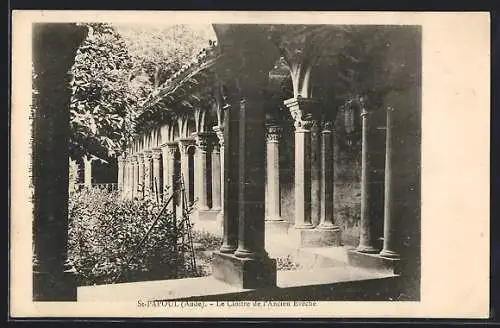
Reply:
x=105, y=232
x=160, y=51
x=103, y=101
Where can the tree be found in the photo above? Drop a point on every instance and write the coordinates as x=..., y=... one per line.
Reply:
x=103, y=99
x=160, y=51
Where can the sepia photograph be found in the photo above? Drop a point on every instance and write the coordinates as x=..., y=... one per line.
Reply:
x=232, y=165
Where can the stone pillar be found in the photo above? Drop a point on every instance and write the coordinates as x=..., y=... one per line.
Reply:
x=366, y=238
x=184, y=145
x=165, y=181
x=157, y=180
x=216, y=177
x=148, y=174
x=273, y=175
x=274, y=222
x=230, y=184
x=135, y=177
x=201, y=174
x=171, y=177
x=302, y=185
x=121, y=173
x=53, y=274
x=316, y=172
x=390, y=243
x=327, y=179
x=87, y=171
x=139, y=188
x=127, y=189
x=219, y=131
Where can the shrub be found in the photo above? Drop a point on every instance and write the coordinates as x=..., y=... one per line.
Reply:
x=105, y=233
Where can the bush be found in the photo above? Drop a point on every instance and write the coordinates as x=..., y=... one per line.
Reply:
x=105, y=232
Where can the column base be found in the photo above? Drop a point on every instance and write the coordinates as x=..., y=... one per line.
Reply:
x=316, y=237
x=205, y=215
x=48, y=286
x=367, y=249
x=277, y=226
x=389, y=254
x=374, y=262
x=244, y=273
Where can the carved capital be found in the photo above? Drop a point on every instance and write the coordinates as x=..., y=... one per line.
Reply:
x=273, y=133
x=171, y=147
x=184, y=144
x=304, y=111
x=204, y=140
x=156, y=153
x=148, y=155
x=140, y=158
x=327, y=127
x=219, y=131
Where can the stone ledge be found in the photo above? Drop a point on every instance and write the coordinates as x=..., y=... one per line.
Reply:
x=315, y=237
x=374, y=262
x=244, y=273
x=277, y=226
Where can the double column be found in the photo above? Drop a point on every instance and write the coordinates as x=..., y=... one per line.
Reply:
x=326, y=233
x=138, y=176
x=121, y=173
x=148, y=172
x=157, y=174
x=203, y=141
x=169, y=188
x=184, y=147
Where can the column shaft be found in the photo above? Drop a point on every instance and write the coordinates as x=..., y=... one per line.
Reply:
x=120, y=174
x=148, y=163
x=273, y=176
x=315, y=172
x=302, y=181
x=184, y=145
x=165, y=181
x=139, y=189
x=216, y=178
x=201, y=174
x=136, y=164
x=251, y=194
x=230, y=174
x=327, y=178
x=157, y=180
x=219, y=130
x=366, y=239
x=390, y=243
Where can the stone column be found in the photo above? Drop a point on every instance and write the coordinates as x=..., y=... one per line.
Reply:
x=87, y=171
x=53, y=274
x=251, y=194
x=216, y=177
x=390, y=243
x=219, y=131
x=121, y=173
x=135, y=177
x=148, y=174
x=299, y=107
x=165, y=181
x=230, y=183
x=316, y=172
x=327, y=180
x=274, y=222
x=171, y=177
x=127, y=190
x=157, y=180
x=366, y=238
x=273, y=175
x=201, y=174
x=139, y=189
x=184, y=144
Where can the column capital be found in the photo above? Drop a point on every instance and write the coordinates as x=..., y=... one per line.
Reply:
x=156, y=153
x=273, y=132
x=139, y=157
x=327, y=127
x=304, y=111
x=203, y=140
x=184, y=144
x=219, y=132
x=171, y=147
x=148, y=154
